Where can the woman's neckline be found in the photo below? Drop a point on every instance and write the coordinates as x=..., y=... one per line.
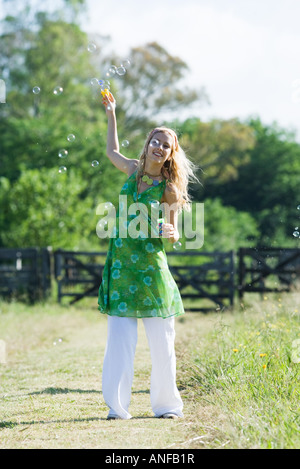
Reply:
x=147, y=188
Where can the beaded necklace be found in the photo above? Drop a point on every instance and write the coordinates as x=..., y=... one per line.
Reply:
x=149, y=180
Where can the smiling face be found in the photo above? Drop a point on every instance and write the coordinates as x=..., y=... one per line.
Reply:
x=160, y=147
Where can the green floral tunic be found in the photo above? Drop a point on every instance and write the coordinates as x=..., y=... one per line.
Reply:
x=136, y=278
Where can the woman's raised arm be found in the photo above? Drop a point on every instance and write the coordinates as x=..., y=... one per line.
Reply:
x=126, y=165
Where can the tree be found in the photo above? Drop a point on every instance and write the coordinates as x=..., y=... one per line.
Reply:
x=218, y=148
x=46, y=208
x=226, y=228
x=35, y=127
x=267, y=186
x=153, y=87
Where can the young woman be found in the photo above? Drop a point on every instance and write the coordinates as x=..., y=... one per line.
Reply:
x=136, y=279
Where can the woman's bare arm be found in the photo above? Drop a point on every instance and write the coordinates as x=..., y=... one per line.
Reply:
x=126, y=165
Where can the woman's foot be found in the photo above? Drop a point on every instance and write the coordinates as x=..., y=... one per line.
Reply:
x=112, y=417
x=169, y=415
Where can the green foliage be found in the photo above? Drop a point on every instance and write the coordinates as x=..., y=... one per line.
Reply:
x=154, y=86
x=248, y=368
x=218, y=147
x=267, y=186
x=249, y=171
x=46, y=208
x=215, y=227
x=226, y=228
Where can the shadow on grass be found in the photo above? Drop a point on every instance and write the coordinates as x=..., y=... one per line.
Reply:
x=11, y=424
x=54, y=391
x=80, y=391
x=39, y=422
x=63, y=391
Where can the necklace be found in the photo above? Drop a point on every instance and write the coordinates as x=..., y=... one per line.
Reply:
x=149, y=180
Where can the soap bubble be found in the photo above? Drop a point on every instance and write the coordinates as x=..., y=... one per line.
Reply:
x=108, y=205
x=298, y=207
x=111, y=71
x=154, y=143
x=95, y=163
x=57, y=341
x=125, y=63
x=91, y=47
x=296, y=234
x=71, y=138
x=125, y=143
x=154, y=203
x=94, y=81
x=177, y=246
x=121, y=71
x=63, y=153
x=58, y=90
x=36, y=89
x=102, y=228
x=62, y=169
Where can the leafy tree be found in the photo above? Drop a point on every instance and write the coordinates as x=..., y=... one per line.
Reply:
x=36, y=126
x=153, y=87
x=46, y=208
x=218, y=148
x=267, y=186
x=226, y=228
x=245, y=167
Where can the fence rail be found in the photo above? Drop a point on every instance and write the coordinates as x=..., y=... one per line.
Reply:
x=214, y=277
x=78, y=274
x=267, y=269
x=25, y=272
x=211, y=278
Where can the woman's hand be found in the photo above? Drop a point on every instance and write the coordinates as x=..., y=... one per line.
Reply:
x=109, y=101
x=169, y=232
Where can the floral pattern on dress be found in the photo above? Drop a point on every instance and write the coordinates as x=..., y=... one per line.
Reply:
x=136, y=279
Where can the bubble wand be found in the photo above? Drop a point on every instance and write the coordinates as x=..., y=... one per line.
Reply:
x=106, y=94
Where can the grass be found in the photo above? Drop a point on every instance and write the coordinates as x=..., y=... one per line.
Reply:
x=246, y=371
x=237, y=375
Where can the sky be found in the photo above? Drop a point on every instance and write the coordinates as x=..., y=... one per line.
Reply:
x=245, y=53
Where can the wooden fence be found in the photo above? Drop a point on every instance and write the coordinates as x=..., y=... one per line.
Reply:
x=25, y=273
x=213, y=277
x=206, y=275
x=209, y=276
x=267, y=269
x=78, y=274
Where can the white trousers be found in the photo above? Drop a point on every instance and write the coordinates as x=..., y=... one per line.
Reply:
x=117, y=373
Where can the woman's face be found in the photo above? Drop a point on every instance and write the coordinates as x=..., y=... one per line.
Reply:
x=160, y=147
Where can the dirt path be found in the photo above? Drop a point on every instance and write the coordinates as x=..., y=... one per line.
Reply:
x=51, y=390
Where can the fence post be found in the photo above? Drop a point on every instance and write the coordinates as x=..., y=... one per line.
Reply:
x=58, y=272
x=232, y=275
x=45, y=270
x=241, y=272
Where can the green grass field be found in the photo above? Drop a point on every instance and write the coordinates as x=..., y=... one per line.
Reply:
x=238, y=374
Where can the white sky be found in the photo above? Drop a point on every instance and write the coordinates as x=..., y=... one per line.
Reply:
x=246, y=53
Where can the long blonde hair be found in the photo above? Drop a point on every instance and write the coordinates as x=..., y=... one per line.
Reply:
x=178, y=171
